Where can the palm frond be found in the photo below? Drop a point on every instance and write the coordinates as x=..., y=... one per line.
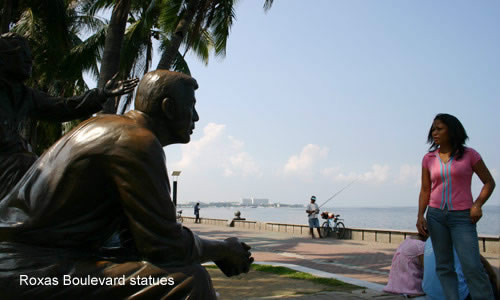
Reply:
x=203, y=45
x=92, y=7
x=86, y=54
x=88, y=22
x=268, y=4
x=222, y=21
x=170, y=15
x=135, y=43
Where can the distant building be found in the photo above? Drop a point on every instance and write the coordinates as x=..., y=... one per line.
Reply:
x=261, y=201
x=255, y=202
x=246, y=201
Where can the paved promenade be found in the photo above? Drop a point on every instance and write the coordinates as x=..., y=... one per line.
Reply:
x=358, y=262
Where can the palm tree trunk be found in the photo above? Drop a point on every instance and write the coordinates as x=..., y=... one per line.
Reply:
x=6, y=16
x=110, y=63
x=167, y=58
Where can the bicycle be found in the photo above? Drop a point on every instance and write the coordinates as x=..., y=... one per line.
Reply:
x=332, y=224
x=179, y=216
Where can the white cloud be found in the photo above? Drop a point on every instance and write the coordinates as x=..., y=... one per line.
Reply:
x=217, y=151
x=409, y=173
x=236, y=144
x=306, y=160
x=328, y=172
x=242, y=163
x=193, y=149
x=378, y=174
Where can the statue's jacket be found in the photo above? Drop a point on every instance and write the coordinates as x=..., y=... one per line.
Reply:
x=106, y=175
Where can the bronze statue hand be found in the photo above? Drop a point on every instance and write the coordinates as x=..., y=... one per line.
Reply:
x=237, y=258
x=120, y=87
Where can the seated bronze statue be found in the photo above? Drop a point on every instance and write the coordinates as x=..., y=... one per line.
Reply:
x=19, y=103
x=109, y=175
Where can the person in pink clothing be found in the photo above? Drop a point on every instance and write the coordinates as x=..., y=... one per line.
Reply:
x=406, y=272
x=452, y=212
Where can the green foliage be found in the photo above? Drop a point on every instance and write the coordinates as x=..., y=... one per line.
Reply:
x=211, y=267
x=208, y=31
x=289, y=273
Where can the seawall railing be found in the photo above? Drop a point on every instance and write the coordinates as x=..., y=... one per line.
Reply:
x=487, y=243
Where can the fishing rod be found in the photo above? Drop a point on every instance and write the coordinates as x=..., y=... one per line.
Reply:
x=339, y=192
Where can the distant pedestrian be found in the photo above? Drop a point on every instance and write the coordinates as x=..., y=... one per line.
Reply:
x=452, y=213
x=197, y=213
x=312, y=213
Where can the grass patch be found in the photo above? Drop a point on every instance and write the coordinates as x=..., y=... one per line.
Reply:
x=289, y=273
x=211, y=267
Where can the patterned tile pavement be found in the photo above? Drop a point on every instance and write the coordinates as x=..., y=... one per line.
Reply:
x=363, y=262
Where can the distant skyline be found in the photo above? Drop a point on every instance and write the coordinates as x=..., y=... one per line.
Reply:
x=310, y=97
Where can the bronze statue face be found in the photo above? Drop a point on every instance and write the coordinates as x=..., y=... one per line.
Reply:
x=185, y=114
x=19, y=62
x=168, y=99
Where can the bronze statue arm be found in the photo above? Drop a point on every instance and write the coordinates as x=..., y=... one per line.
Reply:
x=62, y=109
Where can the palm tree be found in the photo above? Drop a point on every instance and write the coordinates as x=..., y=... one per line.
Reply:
x=177, y=19
x=202, y=24
x=137, y=51
x=129, y=51
x=110, y=63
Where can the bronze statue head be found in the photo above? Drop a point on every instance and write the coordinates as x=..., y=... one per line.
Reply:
x=168, y=98
x=16, y=61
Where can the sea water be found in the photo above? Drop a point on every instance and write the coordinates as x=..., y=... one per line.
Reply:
x=393, y=218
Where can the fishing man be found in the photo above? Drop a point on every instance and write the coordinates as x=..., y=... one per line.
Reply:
x=312, y=214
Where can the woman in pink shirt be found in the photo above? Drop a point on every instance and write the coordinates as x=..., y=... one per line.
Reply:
x=452, y=213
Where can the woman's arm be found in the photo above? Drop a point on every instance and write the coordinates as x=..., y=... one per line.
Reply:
x=423, y=201
x=488, y=186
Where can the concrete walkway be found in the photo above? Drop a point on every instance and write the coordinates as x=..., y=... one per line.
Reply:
x=365, y=264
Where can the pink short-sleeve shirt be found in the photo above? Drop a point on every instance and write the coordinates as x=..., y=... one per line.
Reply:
x=451, y=181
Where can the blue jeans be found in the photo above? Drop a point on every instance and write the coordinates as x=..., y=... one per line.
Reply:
x=450, y=229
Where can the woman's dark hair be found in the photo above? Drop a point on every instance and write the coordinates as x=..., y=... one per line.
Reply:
x=456, y=134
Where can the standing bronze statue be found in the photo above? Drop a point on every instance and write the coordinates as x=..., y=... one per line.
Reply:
x=108, y=175
x=18, y=103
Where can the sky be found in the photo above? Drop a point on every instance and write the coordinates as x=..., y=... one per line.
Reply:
x=314, y=94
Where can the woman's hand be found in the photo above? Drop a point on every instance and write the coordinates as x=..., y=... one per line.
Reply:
x=475, y=213
x=422, y=225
